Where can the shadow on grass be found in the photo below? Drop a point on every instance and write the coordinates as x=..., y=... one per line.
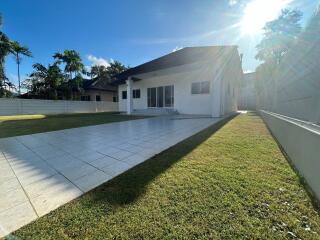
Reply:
x=129, y=186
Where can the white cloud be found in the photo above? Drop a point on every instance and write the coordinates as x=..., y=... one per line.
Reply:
x=233, y=2
x=177, y=48
x=98, y=61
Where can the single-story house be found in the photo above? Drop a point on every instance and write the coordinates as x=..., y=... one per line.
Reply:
x=193, y=80
x=98, y=90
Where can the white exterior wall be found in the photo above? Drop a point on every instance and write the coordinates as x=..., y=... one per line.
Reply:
x=13, y=106
x=218, y=102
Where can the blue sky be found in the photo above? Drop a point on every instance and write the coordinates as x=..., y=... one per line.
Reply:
x=132, y=31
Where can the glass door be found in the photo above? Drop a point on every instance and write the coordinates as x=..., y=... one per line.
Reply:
x=161, y=97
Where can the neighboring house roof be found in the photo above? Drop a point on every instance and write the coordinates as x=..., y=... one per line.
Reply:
x=181, y=57
x=98, y=84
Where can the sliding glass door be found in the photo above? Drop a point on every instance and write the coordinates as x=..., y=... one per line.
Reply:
x=161, y=97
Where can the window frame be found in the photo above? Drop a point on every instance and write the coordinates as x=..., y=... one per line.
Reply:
x=136, y=93
x=200, y=88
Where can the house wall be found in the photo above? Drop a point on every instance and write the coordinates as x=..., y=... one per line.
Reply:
x=231, y=76
x=219, y=101
x=105, y=96
x=182, y=78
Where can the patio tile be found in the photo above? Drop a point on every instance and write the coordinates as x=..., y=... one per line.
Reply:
x=12, y=198
x=104, y=162
x=116, y=168
x=9, y=185
x=108, y=150
x=63, y=162
x=16, y=217
x=47, y=202
x=35, y=175
x=75, y=172
x=135, y=159
x=52, y=184
x=90, y=156
x=88, y=182
x=7, y=175
x=121, y=155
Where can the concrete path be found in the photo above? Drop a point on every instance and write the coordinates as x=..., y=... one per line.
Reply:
x=41, y=172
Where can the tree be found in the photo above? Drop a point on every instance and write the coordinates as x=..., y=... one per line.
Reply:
x=99, y=71
x=45, y=80
x=18, y=51
x=72, y=61
x=279, y=36
x=115, y=68
x=73, y=65
x=4, y=51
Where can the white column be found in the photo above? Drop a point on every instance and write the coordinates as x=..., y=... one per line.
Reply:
x=129, y=96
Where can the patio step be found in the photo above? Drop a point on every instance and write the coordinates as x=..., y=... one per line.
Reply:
x=155, y=111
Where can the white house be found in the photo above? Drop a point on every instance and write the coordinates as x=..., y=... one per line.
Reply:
x=193, y=80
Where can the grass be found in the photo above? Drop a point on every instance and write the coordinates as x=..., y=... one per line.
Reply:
x=28, y=124
x=233, y=183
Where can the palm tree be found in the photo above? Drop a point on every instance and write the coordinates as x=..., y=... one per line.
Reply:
x=45, y=79
x=72, y=61
x=18, y=51
x=4, y=51
x=98, y=71
x=73, y=64
x=116, y=67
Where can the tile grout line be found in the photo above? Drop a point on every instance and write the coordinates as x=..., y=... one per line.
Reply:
x=51, y=167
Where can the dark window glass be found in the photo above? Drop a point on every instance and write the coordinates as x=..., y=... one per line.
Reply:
x=205, y=87
x=160, y=97
x=168, y=96
x=85, y=98
x=200, y=87
x=136, y=93
x=98, y=98
x=196, y=88
x=152, y=97
x=115, y=99
x=124, y=94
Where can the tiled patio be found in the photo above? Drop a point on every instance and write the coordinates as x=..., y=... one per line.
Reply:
x=41, y=172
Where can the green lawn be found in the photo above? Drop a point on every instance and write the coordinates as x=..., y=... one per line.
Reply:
x=230, y=184
x=29, y=124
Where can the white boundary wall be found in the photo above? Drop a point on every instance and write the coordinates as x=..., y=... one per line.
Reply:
x=301, y=142
x=13, y=106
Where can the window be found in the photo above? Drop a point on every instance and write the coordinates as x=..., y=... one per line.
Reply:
x=152, y=97
x=124, y=94
x=200, y=87
x=136, y=93
x=98, y=98
x=161, y=96
x=115, y=98
x=85, y=98
x=168, y=96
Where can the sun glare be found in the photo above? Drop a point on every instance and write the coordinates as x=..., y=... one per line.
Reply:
x=258, y=12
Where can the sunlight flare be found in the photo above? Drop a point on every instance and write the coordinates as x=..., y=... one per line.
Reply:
x=258, y=12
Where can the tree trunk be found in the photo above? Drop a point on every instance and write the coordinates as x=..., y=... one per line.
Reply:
x=18, y=63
